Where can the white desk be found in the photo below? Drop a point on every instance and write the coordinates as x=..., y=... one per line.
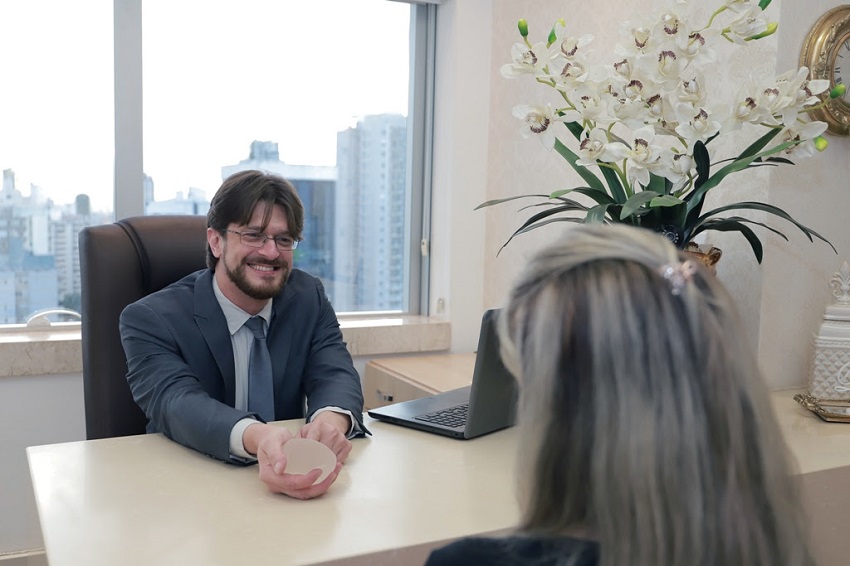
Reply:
x=146, y=500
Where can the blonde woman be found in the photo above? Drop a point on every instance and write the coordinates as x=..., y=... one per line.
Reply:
x=644, y=423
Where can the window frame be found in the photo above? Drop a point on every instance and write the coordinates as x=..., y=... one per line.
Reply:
x=128, y=175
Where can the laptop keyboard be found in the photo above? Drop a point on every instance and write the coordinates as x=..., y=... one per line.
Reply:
x=453, y=417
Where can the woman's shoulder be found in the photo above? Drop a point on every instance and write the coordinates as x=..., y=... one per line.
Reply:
x=517, y=550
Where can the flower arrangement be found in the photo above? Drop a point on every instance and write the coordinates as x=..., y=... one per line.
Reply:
x=642, y=126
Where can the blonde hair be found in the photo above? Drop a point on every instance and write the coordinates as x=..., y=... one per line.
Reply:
x=643, y=416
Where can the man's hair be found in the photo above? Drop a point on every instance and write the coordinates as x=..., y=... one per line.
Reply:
x=239, y=195
x=644, y=421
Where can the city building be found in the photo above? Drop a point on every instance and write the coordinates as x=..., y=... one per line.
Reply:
x=196, y=202
x=39, y=251
x=369, y=254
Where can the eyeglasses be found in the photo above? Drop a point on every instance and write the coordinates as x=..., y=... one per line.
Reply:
x=258, y=240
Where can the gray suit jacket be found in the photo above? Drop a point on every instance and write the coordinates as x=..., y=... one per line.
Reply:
x=180, y=360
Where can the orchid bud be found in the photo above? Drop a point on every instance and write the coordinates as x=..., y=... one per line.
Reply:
x=552, y=38
x=523, y=27
x=764, y=4
x=838, y=90
x=771, y=29
x=821, y=143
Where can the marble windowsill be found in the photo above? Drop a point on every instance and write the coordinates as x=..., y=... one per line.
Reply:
x=47, y=352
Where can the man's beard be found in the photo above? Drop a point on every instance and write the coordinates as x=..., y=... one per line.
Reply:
x=260, y=293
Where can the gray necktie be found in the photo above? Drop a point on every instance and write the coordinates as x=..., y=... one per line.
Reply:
x=260, y=384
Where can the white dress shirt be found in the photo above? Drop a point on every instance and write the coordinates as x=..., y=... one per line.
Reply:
x=241, y=339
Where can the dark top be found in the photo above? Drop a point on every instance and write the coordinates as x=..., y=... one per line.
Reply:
x=516, y=551
x=180, y=360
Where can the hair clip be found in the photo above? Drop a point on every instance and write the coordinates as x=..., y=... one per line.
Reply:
x=678, y=274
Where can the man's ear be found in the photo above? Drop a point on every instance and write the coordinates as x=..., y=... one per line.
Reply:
x=216, y=242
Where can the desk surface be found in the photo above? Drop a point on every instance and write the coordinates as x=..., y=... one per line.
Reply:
x=147, y=500
x=815, y=444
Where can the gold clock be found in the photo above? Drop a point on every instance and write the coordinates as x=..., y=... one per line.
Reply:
x=826, y=52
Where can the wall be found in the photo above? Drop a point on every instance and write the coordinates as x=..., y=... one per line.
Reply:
x=460, y=170
x=795, y=289
x=35, y=410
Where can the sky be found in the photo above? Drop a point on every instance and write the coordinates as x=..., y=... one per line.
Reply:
x=218, y=75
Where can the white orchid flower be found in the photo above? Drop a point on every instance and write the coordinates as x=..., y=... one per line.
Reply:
x=680, y=168
x=643, y=157
x=804, y=133
x=590, y=104
x=638, y=37
x=748, y=23
x=538, y=121
x=691, y=91
x=695, y=48
x=597, y=147
x=737, y=5
x=632, y=113
x=672, y=25
x=663, y=67
x=623, y=68
x=568, y=46
x=803, y=92
x=745, y=108
x=526, y=61
x=571, y=75
x=695, y=123
x=774, y=101
x=655, y=108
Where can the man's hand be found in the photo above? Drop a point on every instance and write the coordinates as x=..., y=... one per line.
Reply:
x=330, y=428
x=266, y=441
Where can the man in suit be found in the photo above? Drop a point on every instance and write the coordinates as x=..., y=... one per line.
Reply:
x=190, y=347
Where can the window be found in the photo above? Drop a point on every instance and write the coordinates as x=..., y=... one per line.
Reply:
x=55, y=147
x=332, y=94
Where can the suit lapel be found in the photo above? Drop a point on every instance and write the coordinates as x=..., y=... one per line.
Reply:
x=213, y=328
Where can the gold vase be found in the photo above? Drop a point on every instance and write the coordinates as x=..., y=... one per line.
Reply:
x=706, y=254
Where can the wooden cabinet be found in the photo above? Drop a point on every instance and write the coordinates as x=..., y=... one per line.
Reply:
x=390, y=380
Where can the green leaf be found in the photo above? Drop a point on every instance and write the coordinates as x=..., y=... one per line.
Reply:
x=575, y=128
x=770, y=209
x=657, y=184
x=735, y=226
x=695, y=198
x=709, y=225
x=601, y=197
x=596, y=215
x=665, y=200
x=760, y=143
x=573, y=219
x=635, y=202
x=614, y=185
x=538, y=219
x=778, y=160
x=702, y=162
x=540, y=225
x=501, y=200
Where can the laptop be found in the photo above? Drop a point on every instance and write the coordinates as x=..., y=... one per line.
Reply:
x=488, y=405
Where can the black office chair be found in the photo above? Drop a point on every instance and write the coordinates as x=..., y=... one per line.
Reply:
x=119, y=264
